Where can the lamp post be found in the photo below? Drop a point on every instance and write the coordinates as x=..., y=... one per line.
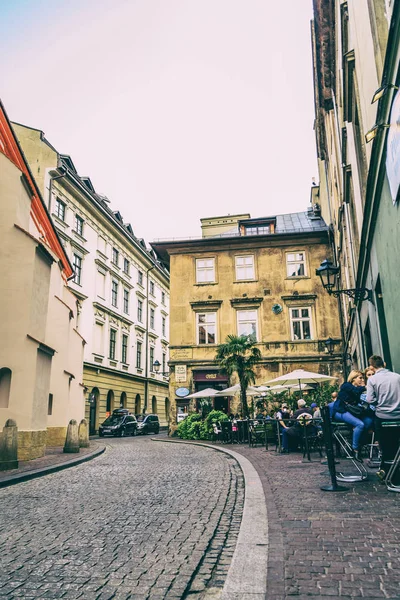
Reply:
x=328, y=273
x=156, y=367
x=330, y=345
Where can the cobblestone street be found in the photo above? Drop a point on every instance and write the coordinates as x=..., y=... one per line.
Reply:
x=144, y=520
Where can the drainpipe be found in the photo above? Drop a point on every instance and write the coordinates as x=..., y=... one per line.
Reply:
x=146, y=371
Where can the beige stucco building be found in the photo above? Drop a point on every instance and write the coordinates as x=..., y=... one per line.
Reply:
x=121, y=289
x=255, y=277
x=41, y=353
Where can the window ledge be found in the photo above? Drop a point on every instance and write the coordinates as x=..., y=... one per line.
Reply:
x=245, y=281
x=296, y=277
x=206, y=283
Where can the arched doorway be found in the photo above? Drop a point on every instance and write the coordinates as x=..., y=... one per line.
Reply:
x=154, y=405
x=94, y=402
x=5, y=386
x=123, y=400
x=138, y=405
x=110, y=402
x=167, y=407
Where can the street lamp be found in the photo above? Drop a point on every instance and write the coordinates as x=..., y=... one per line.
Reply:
x=328, y=273
x=156, y=367
x=330, y=345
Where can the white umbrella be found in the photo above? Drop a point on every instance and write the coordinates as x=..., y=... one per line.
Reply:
x=235, y=389
x=207, y=393
x=300, y=376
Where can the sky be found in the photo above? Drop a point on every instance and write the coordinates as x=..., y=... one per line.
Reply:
x=176, y=109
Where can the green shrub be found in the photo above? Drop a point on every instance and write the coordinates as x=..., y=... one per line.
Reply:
x=213, y=417
x=194, y=428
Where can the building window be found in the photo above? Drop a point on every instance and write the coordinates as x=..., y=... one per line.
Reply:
x=139, y=355
x=247, y=324
x=164, y=358
x=124, y=353
x=163, y=298
x=151, y=286
x=140, y=311
x=113, y=340
x=79, y=225
x=126, y=266
x=163, y=326
x=265, y=229
x=114, y=293
x=77, y=264
x=115, y=257
x=126, y=301
x=151, y=358
x=152, y=313
x=206, y=328
x=244, y=267
x=50, y=405
x=60, y=209
x=140, y=278
x=300, y=323
x=296, y=264
x=205, y=270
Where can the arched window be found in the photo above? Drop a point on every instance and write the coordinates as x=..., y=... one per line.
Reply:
x=167, y=406
x=138, y=405
x=110, y=401
x=5, y=386
x=93, y=410
x=154, y=405
x=123, y=400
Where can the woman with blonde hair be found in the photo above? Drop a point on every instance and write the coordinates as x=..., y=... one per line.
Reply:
x=347, y=408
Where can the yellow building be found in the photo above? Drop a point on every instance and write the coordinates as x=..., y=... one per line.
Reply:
x=255, y=277
x=41, y=351
x=120, y=290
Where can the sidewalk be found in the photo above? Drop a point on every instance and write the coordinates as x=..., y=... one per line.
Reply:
x=54, y=460
x=326, y=544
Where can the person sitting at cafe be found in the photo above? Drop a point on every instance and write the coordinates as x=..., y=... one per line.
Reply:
x=294, y=433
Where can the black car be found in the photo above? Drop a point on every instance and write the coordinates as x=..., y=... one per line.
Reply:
x=147, y=424
x=120, y=423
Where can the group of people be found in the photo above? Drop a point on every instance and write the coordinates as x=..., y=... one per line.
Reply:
x=367, y=400
x=303, y=416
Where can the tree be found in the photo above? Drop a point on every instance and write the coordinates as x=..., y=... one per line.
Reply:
x=238, y=355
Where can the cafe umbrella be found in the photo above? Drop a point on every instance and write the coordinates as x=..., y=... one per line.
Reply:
x=300, y=376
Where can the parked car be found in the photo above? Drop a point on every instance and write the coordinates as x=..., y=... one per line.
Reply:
x=120, y=423
x=147, y=424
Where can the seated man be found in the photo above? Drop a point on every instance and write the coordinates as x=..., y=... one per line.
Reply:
x=295, y=432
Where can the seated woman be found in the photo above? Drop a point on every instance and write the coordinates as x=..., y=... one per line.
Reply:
x=350, y=395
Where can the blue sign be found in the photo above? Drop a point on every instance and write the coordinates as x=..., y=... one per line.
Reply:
x=182, y=392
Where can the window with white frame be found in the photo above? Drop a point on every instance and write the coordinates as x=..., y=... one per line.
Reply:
x=296, y=264
x=124, y=348
x=78, y=225
x=152, y=315
x=247, y=324
x=114, y=293
x=206, y=328
x=244, y=266
x=300, y=323
x=151, y=287
x=101, y=284
x=139, y=355
x=163, y=298
x=140, y=278
x=60, y=209
x=140, y=311
x=164, y=363
x=126, y=266
x=98, y=338
x=115, y=257
x=163, y=327
x=205, y=270
x=77, y=264
x=126, y=301
x=152, y=358
x=113, y=341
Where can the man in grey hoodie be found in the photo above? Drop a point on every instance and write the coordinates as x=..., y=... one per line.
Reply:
x=383, y=391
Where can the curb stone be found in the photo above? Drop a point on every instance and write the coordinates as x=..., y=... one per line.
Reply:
x=20, y=477
x=244, y=581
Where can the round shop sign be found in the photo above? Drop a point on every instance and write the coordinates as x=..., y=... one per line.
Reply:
x=182, y=392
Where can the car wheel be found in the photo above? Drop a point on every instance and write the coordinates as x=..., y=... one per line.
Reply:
x=133, y=432
x=157, y=431
x=122, y=432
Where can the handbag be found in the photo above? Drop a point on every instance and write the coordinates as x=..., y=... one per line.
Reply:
x=355, y=409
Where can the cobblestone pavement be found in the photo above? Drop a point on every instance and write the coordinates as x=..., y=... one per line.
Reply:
x=323, y=544
x=144, y=520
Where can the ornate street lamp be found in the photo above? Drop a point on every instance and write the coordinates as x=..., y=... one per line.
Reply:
x=328, y=273
x=330, y=345
x=156, y=367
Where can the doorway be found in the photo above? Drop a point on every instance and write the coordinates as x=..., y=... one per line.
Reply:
x=94, y=400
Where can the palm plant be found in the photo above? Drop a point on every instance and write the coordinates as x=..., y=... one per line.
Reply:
x=239, y=354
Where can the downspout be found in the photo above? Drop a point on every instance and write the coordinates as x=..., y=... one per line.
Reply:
x=146, y=370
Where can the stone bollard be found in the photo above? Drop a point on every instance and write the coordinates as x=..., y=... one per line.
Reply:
x=83, y=434
x=72, y=440
x=9, y=446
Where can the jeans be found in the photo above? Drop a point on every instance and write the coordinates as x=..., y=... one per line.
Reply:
x=358, y=425
x=389, y=440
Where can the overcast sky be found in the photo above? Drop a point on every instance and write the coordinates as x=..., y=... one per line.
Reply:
x=176, y=109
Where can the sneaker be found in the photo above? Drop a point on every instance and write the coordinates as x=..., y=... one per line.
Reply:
x=381, y=475
x=357, y=456
x=284, y=451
